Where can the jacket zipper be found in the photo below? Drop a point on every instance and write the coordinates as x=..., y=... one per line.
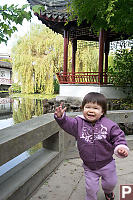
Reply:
x=94, y=143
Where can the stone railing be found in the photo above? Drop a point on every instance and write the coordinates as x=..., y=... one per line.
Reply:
x=23, y=179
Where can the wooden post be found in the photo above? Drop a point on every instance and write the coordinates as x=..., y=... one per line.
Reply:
x=101, y=55
x=66, y=41
x=74, y=49
x=106, y=61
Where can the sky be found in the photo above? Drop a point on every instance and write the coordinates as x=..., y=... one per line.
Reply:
x=22, y=29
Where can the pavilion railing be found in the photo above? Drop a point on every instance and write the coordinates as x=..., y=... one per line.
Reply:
x=83, y=78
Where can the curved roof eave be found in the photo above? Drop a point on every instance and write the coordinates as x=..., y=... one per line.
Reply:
x=55, y=17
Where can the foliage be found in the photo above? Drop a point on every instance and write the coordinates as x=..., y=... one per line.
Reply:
x=122, y=69
x=116, y=15
x=35, y=148
x=32, y=96
x=38, y=56
x=121, y=104
x=10, y=16
x=87, y=57
x=111, y=59
x=38, y=8
x=24, y=108
x=15, y=88
x=56, y=86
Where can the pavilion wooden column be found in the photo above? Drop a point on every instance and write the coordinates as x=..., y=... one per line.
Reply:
x=66, y=42
x=101, y=56
x=74, y=49
x=106, y=61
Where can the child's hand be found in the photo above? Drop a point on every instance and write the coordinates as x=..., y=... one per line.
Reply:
x=122, y=151
x=59, y=111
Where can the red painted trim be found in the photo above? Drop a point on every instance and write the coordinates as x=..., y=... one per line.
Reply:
x=74, y=49
x=106, y=59
x=66, y=41
x=101, y=55
x=81, y=78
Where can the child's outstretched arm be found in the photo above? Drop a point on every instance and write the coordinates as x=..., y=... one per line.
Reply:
x=68, y=124
x=59, y=111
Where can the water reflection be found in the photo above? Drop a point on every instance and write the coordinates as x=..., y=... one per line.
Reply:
x=5, y=111
x=6, y=122
x=25, y=109
x=14, y=111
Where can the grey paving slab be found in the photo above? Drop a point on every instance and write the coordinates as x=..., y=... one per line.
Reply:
x=67, y=182
x=62, y=182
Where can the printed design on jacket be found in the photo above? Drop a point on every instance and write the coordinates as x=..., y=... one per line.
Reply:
x=91, y=135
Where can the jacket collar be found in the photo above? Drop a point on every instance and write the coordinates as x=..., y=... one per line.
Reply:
x=97, y=122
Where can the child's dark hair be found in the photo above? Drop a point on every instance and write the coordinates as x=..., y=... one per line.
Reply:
x=95, y=97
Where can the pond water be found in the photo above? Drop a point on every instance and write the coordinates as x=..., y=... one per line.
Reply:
x=16, y=110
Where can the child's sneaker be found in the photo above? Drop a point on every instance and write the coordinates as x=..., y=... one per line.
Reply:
x=110, y=196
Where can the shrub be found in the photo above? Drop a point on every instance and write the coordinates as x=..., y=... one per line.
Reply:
x=15, y=88
x=122, y=69
x=56, y=86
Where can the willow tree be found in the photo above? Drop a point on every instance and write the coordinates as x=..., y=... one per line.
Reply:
x=39, y=55
x=87, y=57
x=36, y=57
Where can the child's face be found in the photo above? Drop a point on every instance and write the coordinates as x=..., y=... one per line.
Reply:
x=92, y=112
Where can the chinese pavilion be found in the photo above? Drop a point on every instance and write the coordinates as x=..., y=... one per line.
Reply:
x=78, y=84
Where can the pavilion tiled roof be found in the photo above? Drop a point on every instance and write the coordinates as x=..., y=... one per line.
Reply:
x=54, y=9
x=55, y=17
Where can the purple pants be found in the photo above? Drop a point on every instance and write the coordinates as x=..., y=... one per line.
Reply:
x=108, y=180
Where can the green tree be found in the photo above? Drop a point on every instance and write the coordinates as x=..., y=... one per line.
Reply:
x=116, y=15
x=38, y=56
x=10, y=16
x=122, y=69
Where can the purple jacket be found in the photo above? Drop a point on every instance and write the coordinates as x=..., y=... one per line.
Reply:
x=96, y=144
